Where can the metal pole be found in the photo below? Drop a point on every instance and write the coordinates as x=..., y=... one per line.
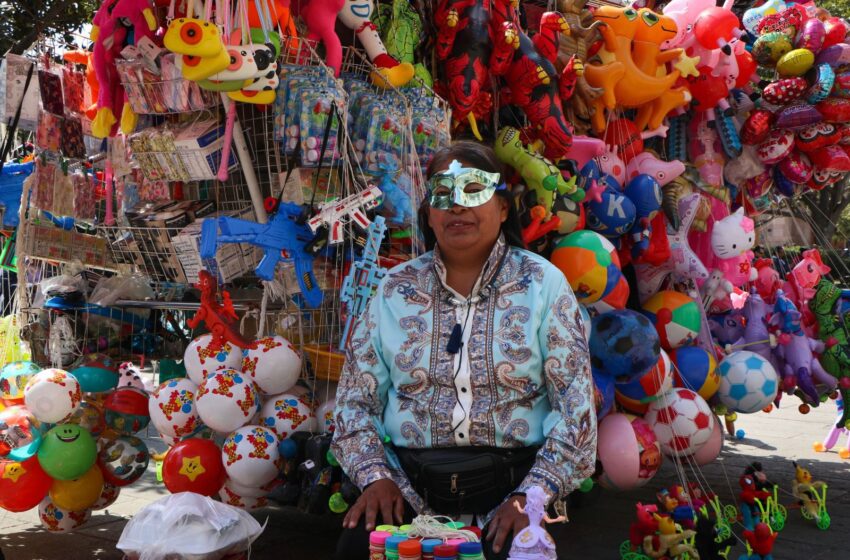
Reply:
x=247, y=167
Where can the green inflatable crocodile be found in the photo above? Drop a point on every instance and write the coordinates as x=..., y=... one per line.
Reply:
x=834, y=333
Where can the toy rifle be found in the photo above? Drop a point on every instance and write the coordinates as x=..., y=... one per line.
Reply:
x=327, y=224
x=363, y=278
x=283, y=237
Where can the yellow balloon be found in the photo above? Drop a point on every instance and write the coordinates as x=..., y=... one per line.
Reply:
x=80, y=493
x=795, y=63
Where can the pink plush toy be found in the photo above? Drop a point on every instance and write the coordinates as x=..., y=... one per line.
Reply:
x=320, y=17
x=800, y=285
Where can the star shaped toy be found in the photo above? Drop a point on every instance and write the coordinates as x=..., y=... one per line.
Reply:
x=687, y=65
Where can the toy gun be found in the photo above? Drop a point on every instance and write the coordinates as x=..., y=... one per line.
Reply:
x=284, y=236
x=363, y=278
x=327, y=224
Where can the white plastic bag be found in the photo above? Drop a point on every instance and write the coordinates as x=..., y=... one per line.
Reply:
x=188, y=526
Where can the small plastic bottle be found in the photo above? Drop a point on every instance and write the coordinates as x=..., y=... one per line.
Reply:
x=410, y=550
x=455, y=525
x=445, y=552
x=391, y=529
x=428, y=546
x=377, y=545
x=391, y=546
x=405, y=529
x=470, y=551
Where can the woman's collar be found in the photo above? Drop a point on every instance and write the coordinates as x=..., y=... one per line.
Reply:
x=488, y=272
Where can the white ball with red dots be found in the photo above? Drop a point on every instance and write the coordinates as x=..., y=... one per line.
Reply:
x=58, y=520
x=250, y=456
x=325, y=416
x=288, y=413
x=52, y=395
x=682, y=422
x=172, y=407
x=229, y=496
x=227, y=400
x=201, y=360
x=274, y=365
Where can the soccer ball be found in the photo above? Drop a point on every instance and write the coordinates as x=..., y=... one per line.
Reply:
x=748, y=382
x=682, y=422
x=623, y=345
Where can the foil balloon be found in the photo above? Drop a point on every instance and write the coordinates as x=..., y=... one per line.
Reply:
x=787, y=22
x=812, y=36
x=836, y=31
x=776, y=146
x=830, y=158
x=753, y=16
x=784, y=186
x=835, y=55
x=834, y=110
x=757, y=126
x=784, y=91
x=798, y=115
x=797, y=167
x=817, y=136
x=770, y=47
x=795, y=63
x=824, y=80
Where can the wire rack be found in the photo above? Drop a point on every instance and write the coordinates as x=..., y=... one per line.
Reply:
x=149, y=94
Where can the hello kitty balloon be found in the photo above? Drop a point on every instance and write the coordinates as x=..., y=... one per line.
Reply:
x=733, y=236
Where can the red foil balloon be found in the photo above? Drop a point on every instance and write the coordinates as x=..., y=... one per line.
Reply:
x=831, y=158
x=817, y=136
x=834, y=110
x=836, y=31
x=757, y=126
x=797, y=167
x=785, y=91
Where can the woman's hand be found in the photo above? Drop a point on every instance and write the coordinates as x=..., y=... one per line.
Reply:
x=382, y=495
x=507, y=520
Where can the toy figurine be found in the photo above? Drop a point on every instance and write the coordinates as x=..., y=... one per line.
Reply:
x=645, y=525
x=219, y=318
x=750, y=492
x=832, y=437
x=812, y=502
x=760, y=540
x=669, y=542
x=534, y=542
x=676, y=502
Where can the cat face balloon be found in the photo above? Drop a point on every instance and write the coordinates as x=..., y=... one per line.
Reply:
x=733, y=236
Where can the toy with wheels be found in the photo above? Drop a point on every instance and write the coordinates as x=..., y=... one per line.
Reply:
x=812, y=497
x=772, y=512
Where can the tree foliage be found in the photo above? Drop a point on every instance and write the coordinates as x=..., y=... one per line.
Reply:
x=828, y=209
x=840, y=8
x=23, y=21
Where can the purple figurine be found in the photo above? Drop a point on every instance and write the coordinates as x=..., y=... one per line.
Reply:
x=833, y=435
x=534, y=542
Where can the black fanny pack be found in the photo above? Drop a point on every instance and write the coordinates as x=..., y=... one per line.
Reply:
x=458, y=480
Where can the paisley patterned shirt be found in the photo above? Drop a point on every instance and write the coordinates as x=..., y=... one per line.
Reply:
x=521, y=377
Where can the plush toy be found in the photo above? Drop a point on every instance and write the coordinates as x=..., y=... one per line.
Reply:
x=670, y=540
x=761, y=540
x=645, y=525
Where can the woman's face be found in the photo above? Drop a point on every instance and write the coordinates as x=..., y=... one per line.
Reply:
x=460, y=229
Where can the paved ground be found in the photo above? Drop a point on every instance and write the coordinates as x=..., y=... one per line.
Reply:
x=595, y=530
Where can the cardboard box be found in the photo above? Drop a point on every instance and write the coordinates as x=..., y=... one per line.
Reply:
x=232, y=260
x=199, y=146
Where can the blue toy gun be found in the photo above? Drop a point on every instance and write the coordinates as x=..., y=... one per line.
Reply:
x=284, y=236
x=363, y=278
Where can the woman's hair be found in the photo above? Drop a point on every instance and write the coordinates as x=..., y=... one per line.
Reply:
x=480, y=157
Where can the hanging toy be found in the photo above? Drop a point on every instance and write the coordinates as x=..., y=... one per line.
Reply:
x=219, y=318
x=812, y=496
x=832, y=437
x=836, y=356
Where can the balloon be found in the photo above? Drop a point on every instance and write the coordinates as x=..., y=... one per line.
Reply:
x=229, y=496
x=695, y=370
x=623, y=136
x=610, y=163
x=52, y=395
x=648, y=387
x=19, y=434
x=676, y=318
x=227, y=400
x=273, y=364
x=107, y=497
x=834, y=110
x=707, y=89
x=612, y=215
x=201, y=360
x=194, y=465
x=662, y=171
x=747, y=67
x=628, y=450
x=58, y=520
x=770, y=47
x=80, y=493
x=795, y=63
x=590, y=264
x=67, y=451
x=817, y=136
x=812, y=36
x=325, y=412
x=712, y=448
x=715, y=27
x=748, y=382
x=90, y=416
x=786, y=90
x=250, y=456
x=786, y=22
x=172, y=408
x=830, y=158
x=288, y=413
x=776, y=146
x=14, y=378
x=603, y=393
x=623, y=345
x=841, y=85
x=753, y=16
x=796, y=167
x=757, y=126
x=126, y=410
x=798, y=115
x=22, y=484
x=836, y=31
x=123, y=459
x=615, y=300
x=682, y=422
x=98, y=373
x=835, y=55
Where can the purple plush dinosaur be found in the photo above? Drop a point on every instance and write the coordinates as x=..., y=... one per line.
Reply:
x=800, y=367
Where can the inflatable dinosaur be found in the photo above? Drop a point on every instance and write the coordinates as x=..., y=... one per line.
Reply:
x=835, y=358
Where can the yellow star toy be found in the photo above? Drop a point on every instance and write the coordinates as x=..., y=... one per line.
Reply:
x=687, y=65
x=13, y=471
x=192, y=468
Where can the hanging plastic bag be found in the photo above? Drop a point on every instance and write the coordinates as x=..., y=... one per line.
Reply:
x=188, y=526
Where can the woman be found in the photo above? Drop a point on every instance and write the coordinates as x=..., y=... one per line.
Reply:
x=467, y=381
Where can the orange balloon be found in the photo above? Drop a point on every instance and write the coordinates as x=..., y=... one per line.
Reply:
x=22, y=484
x=80, y=493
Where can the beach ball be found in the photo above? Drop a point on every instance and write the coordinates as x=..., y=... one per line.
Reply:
x=616, y=299
x=52, y=395
x=108, y=496
x=287, y=413
x=682, y=422
x=123, y=459
x=273, y=364
x=172, y=407
x=227, y=400
x=325, y=416
x=14, y=378
x=194, y=465
x=126, y=410
x=90, y=416
x=67, y=451
x=748, y=382
x=23, y=484
x=229, y=496
x=250, y=455
x=97, y=373
x=590, y=263
x=696, y=370
x=623, y=345
x=19, y=434
x=676, y=318
x=201, y=360
x=628, y=450
x=58, y=520
x=712, y=448
x=635, y=395
x=80, y=493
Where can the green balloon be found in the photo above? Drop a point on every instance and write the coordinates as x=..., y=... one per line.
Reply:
x=67, y=452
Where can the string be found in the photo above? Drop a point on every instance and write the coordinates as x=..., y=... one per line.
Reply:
x=434, y=527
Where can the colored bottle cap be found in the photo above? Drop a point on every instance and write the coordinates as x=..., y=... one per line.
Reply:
x=378, y=538
x=392, y=542
x=473, y=529
x=470, y=548
x=445, y=551
x=430, y=545
x=405, y=529
x=454, y=525
x=387, y=528
x=410, y=547
x=455, y=542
